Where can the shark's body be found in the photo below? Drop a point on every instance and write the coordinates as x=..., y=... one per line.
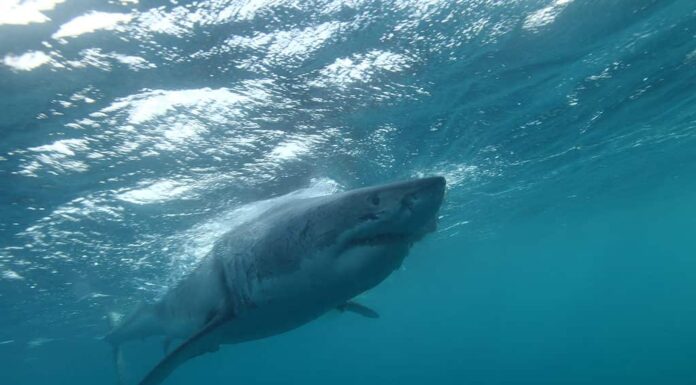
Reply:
x=290, y=266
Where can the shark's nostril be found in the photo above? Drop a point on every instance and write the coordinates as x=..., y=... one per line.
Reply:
x=369, y=217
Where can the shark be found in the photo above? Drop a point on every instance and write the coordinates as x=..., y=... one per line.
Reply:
x=292, y=264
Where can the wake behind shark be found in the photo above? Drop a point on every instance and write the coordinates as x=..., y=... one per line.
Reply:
x=294, y=263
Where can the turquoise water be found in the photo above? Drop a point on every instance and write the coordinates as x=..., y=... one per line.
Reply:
x=135, y=133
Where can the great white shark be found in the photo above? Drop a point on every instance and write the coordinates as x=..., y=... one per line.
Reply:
x=287, y=267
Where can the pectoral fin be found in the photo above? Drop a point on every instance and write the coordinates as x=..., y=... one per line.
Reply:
x=205, y=341
x=357, y=308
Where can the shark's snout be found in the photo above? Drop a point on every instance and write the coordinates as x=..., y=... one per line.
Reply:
x=399, y=212
x=427, y=194
x=436, y=182
x=424, y=202
x=420, y=198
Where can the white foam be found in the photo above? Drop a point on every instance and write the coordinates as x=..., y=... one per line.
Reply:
x=289, y=150
x=284, y=45
x=240, y=11
x=546, y=15
x=455, y=174
x=9, y=274
x=57, y=156
x=63, y=147
x=360, y=68
x=91, y=22
x=157, y=192
x=19, y=12
x=27, y=61
x=134, y=62
x=158, y=103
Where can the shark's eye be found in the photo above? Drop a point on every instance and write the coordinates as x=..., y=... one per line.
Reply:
x=374, y=200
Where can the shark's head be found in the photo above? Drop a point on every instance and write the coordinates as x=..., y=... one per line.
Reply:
x=366, y=233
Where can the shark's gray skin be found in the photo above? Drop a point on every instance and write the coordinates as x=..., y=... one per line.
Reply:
x=288, y=267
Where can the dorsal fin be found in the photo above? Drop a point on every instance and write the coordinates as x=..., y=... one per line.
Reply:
x=200, y=343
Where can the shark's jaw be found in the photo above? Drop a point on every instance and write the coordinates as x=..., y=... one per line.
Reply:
x=387, y=241
x=381, y=240
x=392, y=238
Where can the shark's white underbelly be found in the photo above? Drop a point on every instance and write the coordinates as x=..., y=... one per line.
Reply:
x=283, y=303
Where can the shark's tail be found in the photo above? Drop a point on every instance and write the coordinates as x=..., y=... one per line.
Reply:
x=141, y=323
x=119, y=364
x=117, y=353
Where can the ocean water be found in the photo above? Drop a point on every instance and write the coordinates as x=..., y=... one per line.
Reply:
x=136, y=132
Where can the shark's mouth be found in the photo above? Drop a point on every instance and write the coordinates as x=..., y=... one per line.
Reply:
x=381, y=239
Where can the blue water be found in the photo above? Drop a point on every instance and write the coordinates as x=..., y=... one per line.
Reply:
x=135, y=133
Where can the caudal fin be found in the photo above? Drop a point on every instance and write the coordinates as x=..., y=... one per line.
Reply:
x=117, y=352
x=119, y=364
